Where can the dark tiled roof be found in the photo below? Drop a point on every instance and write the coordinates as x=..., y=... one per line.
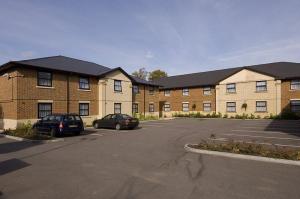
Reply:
x=142, y=81
x=279, y=70
x=66, y=64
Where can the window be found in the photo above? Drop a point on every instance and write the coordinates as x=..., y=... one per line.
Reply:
x=151, y=90
x=117, y=108
x=207, y=107
x=261, y=106
x=151, y=108
x=44, y=79
x=185, y=107
x=44, y=109
x=207, y=91
x=136, y=89
x=261, y=86
x=230, y=88
x=295, y=105
x=295, y=85
x=167, y=107
x=167, y=92
x=185, y=92
x=84, y=83
x=84, y=109
x=231, y=107
x=118, y=86
x=135, y=108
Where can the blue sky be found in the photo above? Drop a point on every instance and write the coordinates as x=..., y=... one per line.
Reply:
x=178, y=36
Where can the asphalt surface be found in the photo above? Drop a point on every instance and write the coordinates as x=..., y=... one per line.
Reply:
x=150, y=162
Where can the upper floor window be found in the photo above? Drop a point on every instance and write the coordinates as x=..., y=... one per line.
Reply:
x=167, y=92
x=136, y=89
x=44, y=79
x=207, y=91
x=231, y=107
x=295, y=85
x=261, y=86
x=185, y=107
x=295, y=105
x=230, y=88
x=151, y=90
x=117, y=108
x=261, y=106
x=84, y=109
x=118, y=85
x=185, y=92
x=84, y=83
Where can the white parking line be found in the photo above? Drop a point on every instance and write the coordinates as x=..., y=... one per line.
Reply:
x=262, y=143
x=267, y=132
x=96, y=134
x=257, y=136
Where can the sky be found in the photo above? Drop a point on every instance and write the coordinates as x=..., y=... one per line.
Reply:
x=177, y=36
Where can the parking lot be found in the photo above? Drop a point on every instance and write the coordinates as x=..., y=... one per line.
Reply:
x=150, y=162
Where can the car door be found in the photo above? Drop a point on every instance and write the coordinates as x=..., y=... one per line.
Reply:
x=111, y=123
x=104, y=122
x=70, y=123
x=43, y=124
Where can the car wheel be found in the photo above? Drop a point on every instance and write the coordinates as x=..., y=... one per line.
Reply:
x=118, y=127
x=96, y=125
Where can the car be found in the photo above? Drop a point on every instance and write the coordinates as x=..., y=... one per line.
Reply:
x=59, y=124
x=116, y=121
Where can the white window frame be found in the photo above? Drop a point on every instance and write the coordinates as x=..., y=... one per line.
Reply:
x=151, y=107
x=261, y=87
x=185, y=92
x=295, y=84
x=297, y=109
x=185, y=107
x=167, y=93
x=228, y=108
x=207, y=91
x=230, y=89
x=167, y=109
x=205, y=107
x=261, y=108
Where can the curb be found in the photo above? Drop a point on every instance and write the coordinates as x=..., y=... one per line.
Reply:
x=28, y=140
x=241, y=156
x=143, y=121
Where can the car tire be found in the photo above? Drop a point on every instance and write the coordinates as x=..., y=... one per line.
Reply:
x=118, y=127
x=96, y=125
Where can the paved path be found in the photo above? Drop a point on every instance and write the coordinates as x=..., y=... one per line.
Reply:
x=149, y=162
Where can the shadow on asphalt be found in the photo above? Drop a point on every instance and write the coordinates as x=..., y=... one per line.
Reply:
x=291, y=127
x=10, y=147
x=11, y=165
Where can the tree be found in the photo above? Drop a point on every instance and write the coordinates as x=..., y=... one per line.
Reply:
x=141, y=73
x=156, y=74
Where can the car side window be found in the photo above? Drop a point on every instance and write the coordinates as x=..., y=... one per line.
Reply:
x=77, y=118
x=69, y=118
x=114, y=117
x=46, y=118
x=107, y=117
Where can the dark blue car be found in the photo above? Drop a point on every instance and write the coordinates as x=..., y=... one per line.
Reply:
x=60, y=124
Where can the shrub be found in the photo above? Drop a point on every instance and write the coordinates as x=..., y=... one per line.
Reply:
x=225, y=116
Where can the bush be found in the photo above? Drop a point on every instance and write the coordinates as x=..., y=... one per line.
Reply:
x=249, y=149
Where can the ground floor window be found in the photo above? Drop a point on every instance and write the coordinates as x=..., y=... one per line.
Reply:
x=44, y=109
x=167, y=107
x=117, y=108
x=261, y=106
x=207, y=107
x=135, y=108
x=151, y=107
x=84, y=109
x=295, y=106
x=185, y=107
x=231, y=107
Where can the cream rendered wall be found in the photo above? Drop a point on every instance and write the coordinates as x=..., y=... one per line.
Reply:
x=245, y=81
x=107, y=95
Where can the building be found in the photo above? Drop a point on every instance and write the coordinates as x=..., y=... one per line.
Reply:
x=31, y=89
x=260, y=90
